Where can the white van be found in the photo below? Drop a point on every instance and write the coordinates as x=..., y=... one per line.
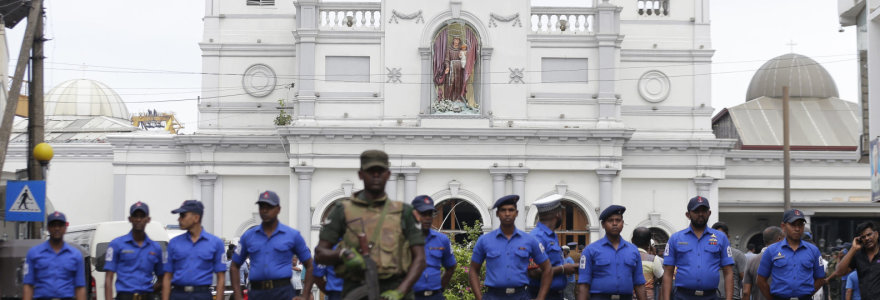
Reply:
x=95, y=238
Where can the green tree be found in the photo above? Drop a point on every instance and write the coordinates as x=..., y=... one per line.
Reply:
x=283, y=118
x=459, y=286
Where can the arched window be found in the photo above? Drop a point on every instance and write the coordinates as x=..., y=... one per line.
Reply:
x=329, y=208
x=575, y=226
x=452, y=215
x=659, y=237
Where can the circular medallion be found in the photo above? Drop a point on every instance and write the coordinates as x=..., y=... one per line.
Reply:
x=258, y=80
x=654, y=86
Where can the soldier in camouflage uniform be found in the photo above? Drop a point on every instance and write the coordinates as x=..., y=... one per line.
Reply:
x=397, y=245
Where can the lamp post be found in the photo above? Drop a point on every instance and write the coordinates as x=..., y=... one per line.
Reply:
x=42, y=153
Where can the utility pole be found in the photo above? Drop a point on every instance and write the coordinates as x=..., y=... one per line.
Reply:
x=36, y=119
x=786, y=150
x=15, y=88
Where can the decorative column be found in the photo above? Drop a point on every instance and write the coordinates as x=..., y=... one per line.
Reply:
x=207, y=181
x=608, y=36
x=427, y=83
x=304, y=201
x=391, y=186
x=703, y=185
x=306, y=34
x=606, y=187
x=486, y=81
x=498, y=180
x=409, y=186
x=519, y=188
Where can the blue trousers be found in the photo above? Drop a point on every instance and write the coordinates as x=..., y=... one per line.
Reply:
x=437, y=296
x=206, y=295
x=524, y=295
x=284, y=292
x=682, y=296
x=551, y=294
x=333, y=296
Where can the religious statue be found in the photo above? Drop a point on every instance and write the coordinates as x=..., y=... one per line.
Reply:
x=455, y=57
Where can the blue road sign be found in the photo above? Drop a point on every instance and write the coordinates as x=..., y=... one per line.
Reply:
x=26, y=200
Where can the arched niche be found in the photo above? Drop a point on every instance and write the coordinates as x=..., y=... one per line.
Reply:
x=426, y=46
x=465, y=195
x=574, y=198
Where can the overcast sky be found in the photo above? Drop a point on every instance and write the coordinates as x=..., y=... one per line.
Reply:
x=148, y=50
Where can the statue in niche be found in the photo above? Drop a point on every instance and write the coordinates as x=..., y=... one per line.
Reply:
x=456, y=49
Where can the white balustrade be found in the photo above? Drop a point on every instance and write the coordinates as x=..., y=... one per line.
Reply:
x=556, y=20
x=350, y=16
x=653, y=7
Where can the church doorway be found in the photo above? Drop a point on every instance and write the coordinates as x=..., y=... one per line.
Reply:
x=452, y=215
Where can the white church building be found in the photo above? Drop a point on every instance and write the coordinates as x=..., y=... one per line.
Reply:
x=604, y=104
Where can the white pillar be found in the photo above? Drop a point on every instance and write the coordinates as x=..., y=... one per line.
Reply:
x=303, y=209
x=519, y=188
x=209, y=217
x=498, y=178
x=606, y=187
x=306, y=35
x=409, y=186
x=119, y=211
x=391, y=186
x=704, y=189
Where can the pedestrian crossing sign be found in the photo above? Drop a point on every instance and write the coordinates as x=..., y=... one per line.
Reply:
x=25, y=200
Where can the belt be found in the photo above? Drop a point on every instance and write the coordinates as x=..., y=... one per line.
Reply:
x=428, y=293
x=53, y=298
x=695, y=292
x=269, y=284
x=612, y=296
x=134, y=296
x=191, y=288
x=805, y=297
x=507, y=291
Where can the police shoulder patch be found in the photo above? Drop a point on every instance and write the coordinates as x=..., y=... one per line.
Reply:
x=666, y=251
x=729, y=252
x=109, y=255
x=583, y=264
x=24, y=269
x=541, y=245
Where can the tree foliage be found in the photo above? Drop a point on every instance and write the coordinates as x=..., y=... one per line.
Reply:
x=459, y=286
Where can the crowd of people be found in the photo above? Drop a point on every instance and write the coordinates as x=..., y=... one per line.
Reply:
x=372, y=247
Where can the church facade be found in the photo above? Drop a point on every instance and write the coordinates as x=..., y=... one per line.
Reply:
x=604, y=104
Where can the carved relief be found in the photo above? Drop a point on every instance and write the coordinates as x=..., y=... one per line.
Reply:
x=258, y=80
x=397, y=15
x=654, y=86
x=515, y=18
x=393, y=75
x=516, y=75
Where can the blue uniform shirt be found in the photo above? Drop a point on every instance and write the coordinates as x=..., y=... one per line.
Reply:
x=852, y=282
x=438, y=253
x=54, y=275
x=550, y=243
x=134, y=265
x=791, y=271
x=334, y=284
x=194, y=263
x=610, y=271
x=507, y=260
x=271, y=257
x=572, y=277
x=698, y=260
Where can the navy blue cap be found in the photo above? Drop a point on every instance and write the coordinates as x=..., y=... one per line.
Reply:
x=269, y=197
x=423, y=203
x=190, y=206
x=56, y=216
x=139, y=206
x=611, y=210
x=697, y=202
x=509, y=199
x=793, y=215
x=809, y=235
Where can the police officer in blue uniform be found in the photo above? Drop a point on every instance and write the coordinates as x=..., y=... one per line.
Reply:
x=698, y=252
x=192, y=257
x=550, y=212
x=54, y=269
x=135, y=257
x=506, y=251
x=611, y=268
x=271, y=247
x=438, y=254
x=325, y=278
x=793, y=266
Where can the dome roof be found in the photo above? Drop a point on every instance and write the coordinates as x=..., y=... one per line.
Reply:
x=85, y=97
x=804, y=76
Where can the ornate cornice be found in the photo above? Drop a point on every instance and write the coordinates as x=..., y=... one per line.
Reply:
x=446, y=135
